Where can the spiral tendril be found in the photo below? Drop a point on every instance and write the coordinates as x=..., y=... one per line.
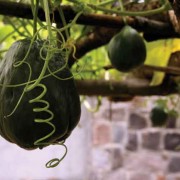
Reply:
x=55, y=161
x=39, y=99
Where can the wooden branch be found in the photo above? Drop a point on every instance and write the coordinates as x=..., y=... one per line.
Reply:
x=176, y=7
x=115, y=88
x=140, y=23
x=167, y=70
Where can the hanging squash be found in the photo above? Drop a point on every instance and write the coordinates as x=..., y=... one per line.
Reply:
x=48, y=113
x=127, y=50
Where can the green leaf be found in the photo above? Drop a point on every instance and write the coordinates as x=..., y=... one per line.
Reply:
x=158, y=54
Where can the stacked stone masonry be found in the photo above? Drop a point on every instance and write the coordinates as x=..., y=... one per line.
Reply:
x=127, y=147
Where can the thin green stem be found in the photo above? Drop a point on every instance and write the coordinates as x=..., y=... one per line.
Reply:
x=48, y=21
x=122, y=10
x=121, y=5
x=48, y=56
x=23, y=23
x=164, y=7
x=63, y=21
x=9, y=34
x=104, y=3
x=32, y=6
x=35, y=14
x=32, y=26
x=72, y=22
x=14, y=27
x=74, y=1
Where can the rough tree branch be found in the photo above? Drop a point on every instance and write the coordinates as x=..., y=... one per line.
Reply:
x=116, y=88
x=140, y=23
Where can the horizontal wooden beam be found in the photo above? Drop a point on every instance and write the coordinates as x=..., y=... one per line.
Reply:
x=144, y=24
x=115, y=88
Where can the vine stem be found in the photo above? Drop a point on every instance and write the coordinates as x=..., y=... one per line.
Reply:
x=164, y=7
x=48, y=56
x=104, y=3
x=63, y=21
x=35, y=12
x=48, y=21
x=122, y=10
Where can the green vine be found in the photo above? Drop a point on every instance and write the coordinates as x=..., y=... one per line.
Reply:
x=63, y=21
x=105, y=3
x=164, y=7
x=122, y=10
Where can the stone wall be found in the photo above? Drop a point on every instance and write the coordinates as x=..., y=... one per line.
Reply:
x=125, y=146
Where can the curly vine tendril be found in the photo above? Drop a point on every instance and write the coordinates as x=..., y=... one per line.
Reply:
x=39, y=99
x=55, y=161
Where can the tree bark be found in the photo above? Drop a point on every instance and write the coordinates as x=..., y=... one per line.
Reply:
x=115, y=88
x=140, y=23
